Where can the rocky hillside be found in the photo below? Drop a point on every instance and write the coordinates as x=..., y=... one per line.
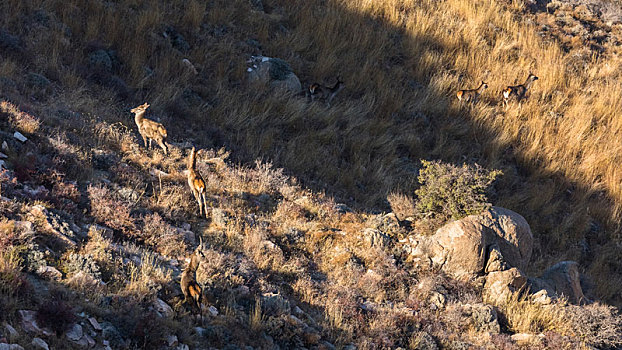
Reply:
x=324, y=228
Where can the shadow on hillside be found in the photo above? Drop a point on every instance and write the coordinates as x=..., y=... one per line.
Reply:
x=564, y=226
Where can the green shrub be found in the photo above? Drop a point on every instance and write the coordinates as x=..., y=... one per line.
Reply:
x=448, y=191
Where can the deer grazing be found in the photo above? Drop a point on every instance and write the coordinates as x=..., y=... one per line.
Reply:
x=518, y=92
x=196, y=183
x=189, y=286
x=149, y=129
x=471, y=95
x=326, y=93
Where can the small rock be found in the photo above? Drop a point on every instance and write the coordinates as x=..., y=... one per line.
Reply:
x=40, y=344
x=5, y=146
x=182, y=347
x=501, y=284
x=3, y=156
x=199, y=330
x=5, y=346
x=438, y=299
x=495, y=260
x=190, y=66
x=483, y=317
x=163, y=308
x=95, y=324
x=2, y=166
x=89, y=340
x=212, y=311
x=424, y=341
x=527, y=339
x=50, y=273
x=75, y=333
x=12, y=332
x=21, y=138
x=29, y=323
x=172, y=340
x=541, y=297
x=375, y=238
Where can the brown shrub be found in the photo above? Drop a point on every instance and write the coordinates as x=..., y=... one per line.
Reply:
x=107, y=209
x=23, y=122
x=165, y=238
x=402, y=205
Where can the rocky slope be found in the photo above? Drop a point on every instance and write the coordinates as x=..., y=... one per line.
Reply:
x=95, y=229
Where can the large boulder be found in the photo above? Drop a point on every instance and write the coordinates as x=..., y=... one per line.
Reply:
x=560, y=280
x=463, y=247
x=500, y=285
x=273, y=72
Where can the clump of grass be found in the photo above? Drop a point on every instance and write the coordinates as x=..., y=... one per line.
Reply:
x=57, y=315
x=107, y=209
x=21, y=121
x=522, y=315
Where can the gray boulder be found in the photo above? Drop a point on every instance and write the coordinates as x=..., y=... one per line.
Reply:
x=275, y=73
x=560, y=280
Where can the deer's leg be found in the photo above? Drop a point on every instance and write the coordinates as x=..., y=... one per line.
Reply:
x=163, y=146
x=204, y=197
x=144, y=140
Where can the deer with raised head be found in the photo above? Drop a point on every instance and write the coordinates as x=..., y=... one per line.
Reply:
x=518, y=92
x=324, y=92
x=471, y=95
x=196, y=183
x=189, y=286
x=149, y=129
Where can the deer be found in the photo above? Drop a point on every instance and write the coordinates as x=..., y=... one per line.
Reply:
x=189, y=286
x=518, y=92
x=149, y=129
x=196, y=183
x=324, y=92
x=471, y=95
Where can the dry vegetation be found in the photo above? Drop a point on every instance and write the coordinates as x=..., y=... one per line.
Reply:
x=71, y=70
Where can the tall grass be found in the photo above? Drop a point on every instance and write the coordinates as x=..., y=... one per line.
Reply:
x=401, y=61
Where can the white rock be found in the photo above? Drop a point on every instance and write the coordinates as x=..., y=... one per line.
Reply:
x=5, y=146
x=162, y=307
x=212, y=311
x=49, y=272
x=21, y=138
x=172, y=340
x=75, y=333
x=2, y=164
x=182, y=347
x=3, y=156
x=12, y=332
x=40, y=344
x=95, y=324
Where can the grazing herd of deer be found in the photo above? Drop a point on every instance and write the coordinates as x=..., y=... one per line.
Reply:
x=151, y=130
x=517, y=92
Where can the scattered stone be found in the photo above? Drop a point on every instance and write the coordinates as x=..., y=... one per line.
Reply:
x=172, y=340
x=483, y=317
x=3, y=156
x=376, y=239
x=29, y=323
x=75, y=333
x=186, y=62
x=5, y=146
x=21, y=138
x=95, y=324
x=424, y=341
x=501, y=284
x=437, y=299
x=40, y=344
x=12, y=332
x=525, y=339
x=213, y=311
x=50, y=273
x=4, y=346
x=561, y=279
x=163, y=308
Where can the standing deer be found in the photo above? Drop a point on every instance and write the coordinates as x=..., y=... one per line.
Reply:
x=149, y=129
x=189, y=286
x=324, y=92
x=196, y=183
x=518, y=92
x=471, y=95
